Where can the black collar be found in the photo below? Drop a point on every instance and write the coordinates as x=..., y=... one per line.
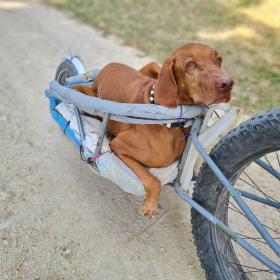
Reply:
x=176, y=124
x=152, y=98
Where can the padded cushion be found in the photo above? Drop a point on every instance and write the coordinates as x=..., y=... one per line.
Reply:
x=109, y=165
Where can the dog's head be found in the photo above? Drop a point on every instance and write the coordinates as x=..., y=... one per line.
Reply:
x=192, y=75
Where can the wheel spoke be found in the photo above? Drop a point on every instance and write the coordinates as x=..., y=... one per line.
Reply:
x=260, y=270
x=258, y=188
x=239, y=212
x=256, y=269
x=252, y=238
x=272, y=230
x=236, y=209
x=271, y=167
x=278, y=158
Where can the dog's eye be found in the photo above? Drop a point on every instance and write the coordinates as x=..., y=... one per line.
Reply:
x=191, y=64
x=219, y=61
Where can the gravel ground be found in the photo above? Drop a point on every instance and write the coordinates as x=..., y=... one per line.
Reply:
x=58, y=220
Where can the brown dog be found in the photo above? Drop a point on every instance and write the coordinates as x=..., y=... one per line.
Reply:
x=191, y=75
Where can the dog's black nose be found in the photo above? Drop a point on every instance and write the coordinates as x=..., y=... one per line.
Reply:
x=225, y=84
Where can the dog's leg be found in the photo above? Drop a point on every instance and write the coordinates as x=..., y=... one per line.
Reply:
x=151, y=70
x=152, y=185
x=85, y=90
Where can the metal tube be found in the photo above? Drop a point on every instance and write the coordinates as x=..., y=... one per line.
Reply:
x=101, y=134
x=91, y=105
x=268, y=168
x=251, y=216
x=94, y=169
x=226, y=230
x=259, y=199
x=184, y=157
x=80, y=125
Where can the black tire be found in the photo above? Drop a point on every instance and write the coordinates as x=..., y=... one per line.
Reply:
x=65, y=70
x=251, y=140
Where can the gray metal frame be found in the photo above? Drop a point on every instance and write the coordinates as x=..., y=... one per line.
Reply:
x=271, y=242
x=132, y=113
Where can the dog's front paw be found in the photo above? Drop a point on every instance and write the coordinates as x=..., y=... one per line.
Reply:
x=149, y=207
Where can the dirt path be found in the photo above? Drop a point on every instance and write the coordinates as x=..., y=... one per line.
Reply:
x=58, y=220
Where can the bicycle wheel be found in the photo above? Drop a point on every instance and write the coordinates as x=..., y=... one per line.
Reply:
x=65, y=70
x=220, y=257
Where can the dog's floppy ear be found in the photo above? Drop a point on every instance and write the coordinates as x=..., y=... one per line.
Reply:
x=166, y=87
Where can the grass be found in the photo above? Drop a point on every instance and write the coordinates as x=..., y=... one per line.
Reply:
x=245, y=32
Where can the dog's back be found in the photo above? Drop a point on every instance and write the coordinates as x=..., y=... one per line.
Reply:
x=121, y=83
